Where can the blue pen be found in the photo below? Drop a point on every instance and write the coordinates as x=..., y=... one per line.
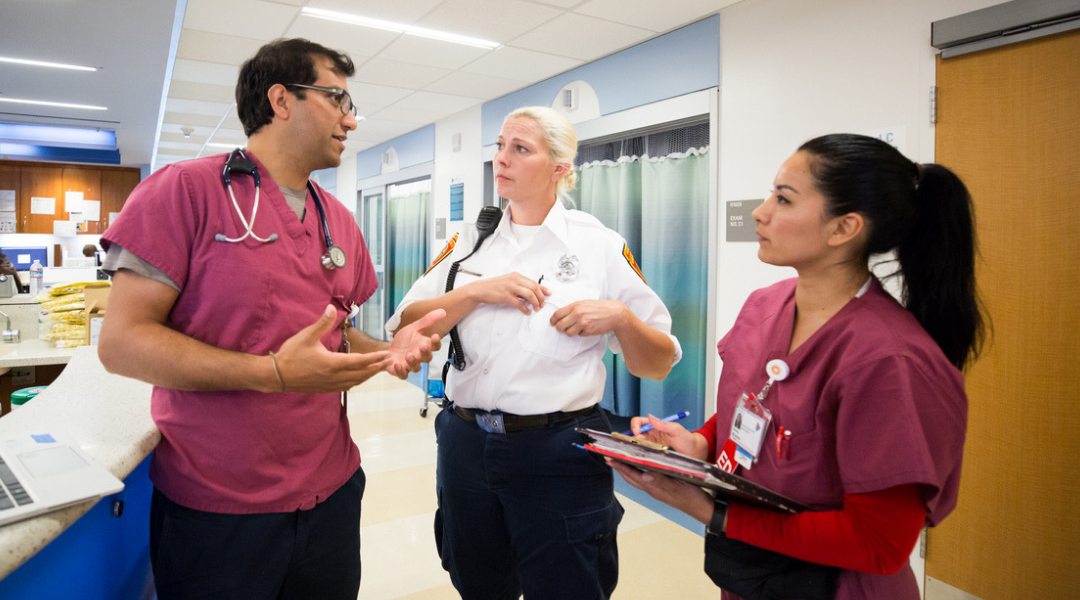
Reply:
x=648, y=426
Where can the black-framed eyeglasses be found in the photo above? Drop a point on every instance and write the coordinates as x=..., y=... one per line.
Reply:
x=338, y=95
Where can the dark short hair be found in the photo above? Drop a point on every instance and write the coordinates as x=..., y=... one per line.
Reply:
x=280, y=61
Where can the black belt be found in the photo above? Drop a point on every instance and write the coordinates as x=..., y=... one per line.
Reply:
x=512, y=422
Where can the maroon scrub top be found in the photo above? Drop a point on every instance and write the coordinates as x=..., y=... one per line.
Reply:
x=871, y=401
x=244, y=451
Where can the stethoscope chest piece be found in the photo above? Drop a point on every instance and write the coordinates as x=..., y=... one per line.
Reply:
x=334, y=258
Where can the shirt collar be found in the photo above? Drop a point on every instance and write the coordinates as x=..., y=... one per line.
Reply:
x=555, y=222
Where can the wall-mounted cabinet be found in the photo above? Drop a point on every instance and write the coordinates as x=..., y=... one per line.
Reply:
x=110, y=186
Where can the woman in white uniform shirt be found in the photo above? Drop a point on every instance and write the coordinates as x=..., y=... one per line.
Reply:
x=523, y=511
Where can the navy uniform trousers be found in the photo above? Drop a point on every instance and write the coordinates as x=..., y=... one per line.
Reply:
x=525, y=512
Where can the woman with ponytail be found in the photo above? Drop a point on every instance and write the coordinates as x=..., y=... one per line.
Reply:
x=867, y=425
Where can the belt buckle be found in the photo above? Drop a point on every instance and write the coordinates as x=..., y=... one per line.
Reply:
x=490, y=422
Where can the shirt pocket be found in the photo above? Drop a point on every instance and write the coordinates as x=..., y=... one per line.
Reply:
x=539, y=336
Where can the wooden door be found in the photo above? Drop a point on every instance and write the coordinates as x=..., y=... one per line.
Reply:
x=1009, y=125
x=87, y=181
x=43, y=182
x=116, y=186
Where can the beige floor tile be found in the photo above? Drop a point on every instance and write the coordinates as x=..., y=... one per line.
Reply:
x=635, y=515
x=390, y=422
x=379, y=454
x=393, y=495
x=399, y=558
x=443, y=592
x=662, y=560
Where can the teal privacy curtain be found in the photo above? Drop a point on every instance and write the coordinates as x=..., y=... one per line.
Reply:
x=654, y=191
x=407, y=252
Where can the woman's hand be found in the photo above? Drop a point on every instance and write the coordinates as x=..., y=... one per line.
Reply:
x=513, y=289
x=684, y=496
x=672, y=435
x=590, y=317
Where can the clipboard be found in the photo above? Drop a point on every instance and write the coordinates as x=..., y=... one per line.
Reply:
x=649, y=456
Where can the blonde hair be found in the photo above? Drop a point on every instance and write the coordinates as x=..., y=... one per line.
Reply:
x=561, y=138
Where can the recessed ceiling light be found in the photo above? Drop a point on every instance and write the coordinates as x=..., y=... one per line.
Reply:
x=41, y=63
x=56, y=104
x=399, y=28
x=217, y=145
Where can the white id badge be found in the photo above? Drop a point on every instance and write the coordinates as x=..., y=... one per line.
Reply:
x=748, y=428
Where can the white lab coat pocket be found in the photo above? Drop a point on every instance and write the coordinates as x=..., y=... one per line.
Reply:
x=539, y=336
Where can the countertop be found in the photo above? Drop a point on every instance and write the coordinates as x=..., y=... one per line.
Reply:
x=33, y=352
x=18, y=299
x=107, y=415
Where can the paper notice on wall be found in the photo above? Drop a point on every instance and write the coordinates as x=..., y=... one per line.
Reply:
x=42, y=206
x=7, y=200
x=112, y=216
x=73, y=201
x=7, y=222
x=64, y=228
x=91, y=210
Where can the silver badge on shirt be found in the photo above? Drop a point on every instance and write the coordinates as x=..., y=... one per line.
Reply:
x=567, y=268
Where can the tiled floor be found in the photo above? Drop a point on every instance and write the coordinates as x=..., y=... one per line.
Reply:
x=658, y=559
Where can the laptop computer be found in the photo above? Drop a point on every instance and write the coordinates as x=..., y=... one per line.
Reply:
x=39, y=474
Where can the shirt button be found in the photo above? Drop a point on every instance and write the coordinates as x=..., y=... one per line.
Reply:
x=485, y=371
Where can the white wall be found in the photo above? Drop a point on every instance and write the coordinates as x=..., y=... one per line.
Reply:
x=346, y=181
x=792, y=70
x=465, y=165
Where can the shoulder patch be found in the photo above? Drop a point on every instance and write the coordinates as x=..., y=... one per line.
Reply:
x=442, y=255
x=630, y=261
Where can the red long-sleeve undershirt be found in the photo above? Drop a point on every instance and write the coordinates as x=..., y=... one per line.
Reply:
x=873, y=533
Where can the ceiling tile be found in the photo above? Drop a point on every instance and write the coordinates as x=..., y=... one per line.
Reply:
x=193, y=144
x=359, y=42
x=198, y=71
x=517, y=63
x=198, y=107
x=562, y=3
x=380, y=129
x=216, y=48
x=233, y=121
x=253, y=19
x=475, y=85
x=652, y=15
x=432, y=53
x=437, y=102
x=398, y=11
x=495, y=20
x=171, y=133
x=581, y=37
x=397, y=74
x=381, y=95
x=195, y=120
x=230, y=134
x=416, y=116
x=202, y=91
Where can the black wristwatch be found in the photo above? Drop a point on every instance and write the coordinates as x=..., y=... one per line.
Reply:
x=716, y=525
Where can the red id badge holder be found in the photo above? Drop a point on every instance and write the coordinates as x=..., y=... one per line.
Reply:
x=750, y=423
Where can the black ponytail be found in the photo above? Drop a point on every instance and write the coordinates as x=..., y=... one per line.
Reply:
x=924, y=213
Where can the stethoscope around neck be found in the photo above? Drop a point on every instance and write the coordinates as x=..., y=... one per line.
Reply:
x=334, y=258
